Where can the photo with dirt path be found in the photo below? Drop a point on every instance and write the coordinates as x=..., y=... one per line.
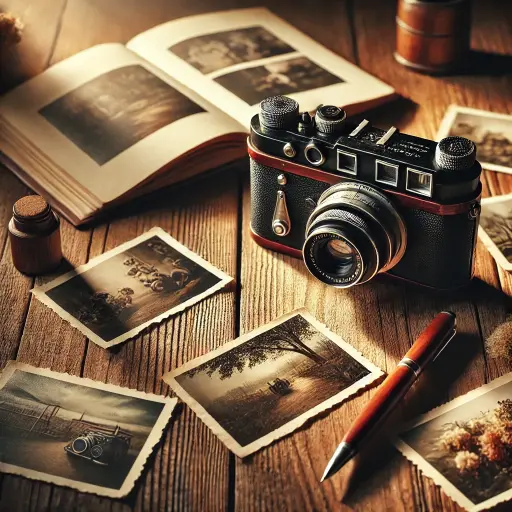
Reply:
x=272, y=378
x=76, y=432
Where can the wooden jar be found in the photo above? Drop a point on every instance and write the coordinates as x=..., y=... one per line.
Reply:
x=34, y=233
x=433, y=36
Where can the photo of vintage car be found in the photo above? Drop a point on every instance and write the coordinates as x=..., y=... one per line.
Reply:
x=100, y=446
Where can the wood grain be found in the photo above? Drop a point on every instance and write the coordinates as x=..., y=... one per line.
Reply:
x=191, y=469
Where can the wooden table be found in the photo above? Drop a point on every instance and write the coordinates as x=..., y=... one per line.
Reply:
x=192, y=470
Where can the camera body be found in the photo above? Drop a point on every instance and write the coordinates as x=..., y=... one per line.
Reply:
x=341, y=195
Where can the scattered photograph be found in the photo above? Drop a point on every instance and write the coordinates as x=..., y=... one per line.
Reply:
x=492, y=134
x=144, y=281
x=211, y=52
x=465, y=446
x=495, y=229
x=114, y=111
x=266, y=384
x=75, y=432
x=289, y=76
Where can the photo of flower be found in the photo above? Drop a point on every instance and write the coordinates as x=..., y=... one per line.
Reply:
x=466, y=445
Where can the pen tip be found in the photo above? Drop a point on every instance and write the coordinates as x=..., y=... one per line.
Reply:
x=341, y=456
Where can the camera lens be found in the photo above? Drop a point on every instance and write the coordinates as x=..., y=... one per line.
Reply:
x=353, y=233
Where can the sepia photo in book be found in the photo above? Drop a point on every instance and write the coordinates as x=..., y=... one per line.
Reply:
x=465, y=446
x=141, y=282
x=115, y=122
x=269, y=382
x=76, y=432
x=495, y=230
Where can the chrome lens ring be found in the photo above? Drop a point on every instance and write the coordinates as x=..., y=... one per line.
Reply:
x=365, y=200
x=352, y=231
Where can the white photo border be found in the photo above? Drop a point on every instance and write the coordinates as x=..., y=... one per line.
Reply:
x=451, y=115
x=138, y=465
x=291, y=426
x=428, y=470
x=498, y=256
x=41, y=291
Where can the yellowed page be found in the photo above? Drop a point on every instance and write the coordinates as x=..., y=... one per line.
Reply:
x=236, y=58
x=110, y=119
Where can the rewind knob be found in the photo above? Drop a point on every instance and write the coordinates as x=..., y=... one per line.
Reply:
x=279, y=113
x=330, y=119
x=455, y=153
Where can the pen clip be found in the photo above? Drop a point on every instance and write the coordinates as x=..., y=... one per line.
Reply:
x=449, y=337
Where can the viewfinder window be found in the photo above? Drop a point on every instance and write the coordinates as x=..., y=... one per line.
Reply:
x=347, y=162
x=386, y=173
x=419, y=182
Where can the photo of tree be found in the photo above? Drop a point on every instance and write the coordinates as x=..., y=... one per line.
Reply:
x=114, y=111
x=211, y=52
x=290, y=76
x=271, y=379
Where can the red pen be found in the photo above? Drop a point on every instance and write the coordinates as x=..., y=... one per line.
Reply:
x=425, y=349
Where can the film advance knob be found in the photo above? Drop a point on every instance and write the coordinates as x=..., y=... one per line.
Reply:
x=278, y=112
x=455, y=153
x=330, y=119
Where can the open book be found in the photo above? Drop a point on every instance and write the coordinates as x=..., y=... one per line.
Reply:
x=114, y=122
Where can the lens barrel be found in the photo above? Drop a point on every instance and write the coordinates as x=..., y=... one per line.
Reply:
x=353, y=233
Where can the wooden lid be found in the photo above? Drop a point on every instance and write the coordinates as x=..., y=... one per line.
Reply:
x=30, y=207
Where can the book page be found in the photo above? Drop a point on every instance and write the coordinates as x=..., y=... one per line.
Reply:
x=237, y=58
x=110, y=119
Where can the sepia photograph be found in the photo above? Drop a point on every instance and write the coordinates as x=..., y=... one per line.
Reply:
x=465, y=446
x=144, y=281
x=114, y=111
x=290, y=76
x=491, y=132
x=266, y=384
x=75, y=432
x=495, y=229
x=211, y=52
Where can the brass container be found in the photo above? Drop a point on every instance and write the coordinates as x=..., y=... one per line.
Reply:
x=433, y=36
x=34, y=233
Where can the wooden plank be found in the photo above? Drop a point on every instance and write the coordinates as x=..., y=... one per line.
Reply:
x=482, y=307
x=380, y=320
x=286, y=475
x=25, y=60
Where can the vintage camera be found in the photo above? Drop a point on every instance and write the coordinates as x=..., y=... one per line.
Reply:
x=99, y=447
x=354, y=200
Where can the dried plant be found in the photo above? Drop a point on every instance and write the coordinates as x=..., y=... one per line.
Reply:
x=10, y=30
x=499, y=343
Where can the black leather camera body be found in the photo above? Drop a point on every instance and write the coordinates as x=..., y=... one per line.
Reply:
x=354, y=200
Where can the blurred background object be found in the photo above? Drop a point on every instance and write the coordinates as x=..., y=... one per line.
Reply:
x=432, y=36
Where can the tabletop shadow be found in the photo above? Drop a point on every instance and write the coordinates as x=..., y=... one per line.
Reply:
x=482, y=63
